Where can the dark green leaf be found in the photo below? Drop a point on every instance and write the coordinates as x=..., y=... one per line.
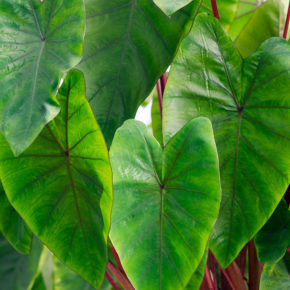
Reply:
x=171, y=6
x=198, y=275
x=277, y=278
x=128, y=45
x=13, y=226
x=267, y=21
x=39, y=41
x=163, y=209
x=62, y=185
x=274, y=238
x=17, y=270
x=248, y=103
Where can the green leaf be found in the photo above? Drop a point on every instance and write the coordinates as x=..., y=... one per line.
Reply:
x=274, y=238
x=163, y=210
x=39, y=41
x=227, y=10
x=198, y=275
x=12, y=226
x=244, y=13
x=171, y=6
x=65, y=279
x=62, y=185
x=128, y=45
x=277, y=278
x=17, y=270
x=267, y=21
x=156, y=119
x=248, y=104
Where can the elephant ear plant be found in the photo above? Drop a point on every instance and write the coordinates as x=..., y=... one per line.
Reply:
x=92, y=199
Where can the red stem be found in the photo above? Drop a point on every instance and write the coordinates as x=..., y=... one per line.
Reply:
x=163, y=82
x=207, y=281
x=111, y=281
x=124, y=281
x=287, y=23
x=213, y=270
x=215, y=9
x=117, y=259
x=160, y=100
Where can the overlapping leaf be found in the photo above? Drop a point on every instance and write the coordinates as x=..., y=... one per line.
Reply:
x=17, y=271
x=62, y=185
x=128, y=45
x=163, y=209
x=39, y=41
x=171, y=6
x=274, y=238
x=12, y=226
x=267, y=21
x=248, y=102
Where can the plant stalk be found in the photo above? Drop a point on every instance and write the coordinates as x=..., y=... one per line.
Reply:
x=124, y=282
x=287, y=23
x=111, y=280
x=207, y=283
x=215, y=9
x=255, y=267
x=117, y=259
x=213, y=270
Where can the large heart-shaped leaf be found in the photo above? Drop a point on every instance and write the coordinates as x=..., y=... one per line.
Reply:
x=12, y=226
x=274, y=238
x=39, y=41
x=17, y=271
x=171, y=6
x=163, y=209
x=128, y=45
x=267, y=21
x=248, y=102
x=62, y=185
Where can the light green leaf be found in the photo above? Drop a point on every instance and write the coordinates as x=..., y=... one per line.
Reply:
x=128, y=45
x=267, y=21
x=17, y=270
x=62, y=185
x=12, y=226
x=277, y=278
x=171, y=6
x=198, y=275
x=39, y=41
x=227, y=10
x=248, y=103
x=163, y=210
x=274, y=238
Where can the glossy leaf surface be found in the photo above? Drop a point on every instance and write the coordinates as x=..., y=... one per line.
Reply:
x=171, y=6
x=274, y=238
x=17, y=270
x=62, y=185
x=163, y=210
x=128, y=45
x=39, y=41
x=248, y=103
x=12, y=226
x=267, y=21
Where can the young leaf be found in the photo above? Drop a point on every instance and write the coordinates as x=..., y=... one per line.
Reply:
x=274, y=238
x=163, y=209
x=39, y=41
x=171, y=6
x=128, y=45
x=267, y=21
x=248, y=103
x=12, y=226
x=62, y=185
x=17, y=270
